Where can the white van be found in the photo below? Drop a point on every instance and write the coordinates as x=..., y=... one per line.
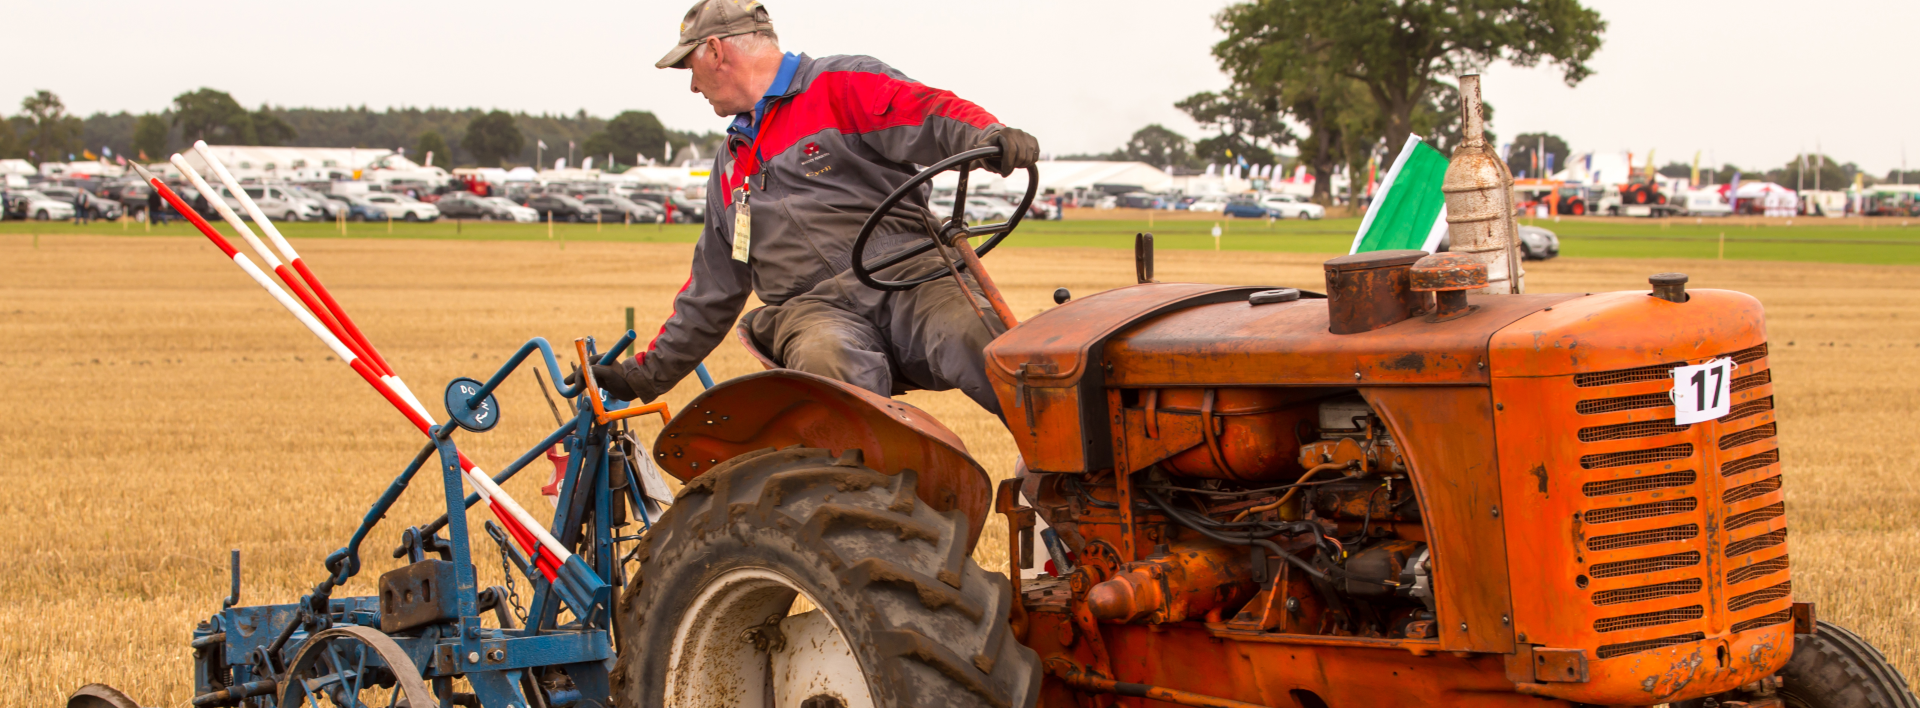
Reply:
x=1707, y=202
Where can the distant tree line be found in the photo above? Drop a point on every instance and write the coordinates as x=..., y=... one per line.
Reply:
x=43, y=130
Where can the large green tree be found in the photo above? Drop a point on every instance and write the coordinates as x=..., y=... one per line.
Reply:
x=1397, y=48
x=150, y=137
x=433, y=147
x=51, y=134
x=1526, y=146
x=1250, y=126
x=627, y=136
x=270, y=129
x=212, y=115
x=493, y=137
x=1158, y=146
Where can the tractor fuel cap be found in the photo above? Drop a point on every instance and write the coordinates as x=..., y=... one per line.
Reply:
x=1265, y=297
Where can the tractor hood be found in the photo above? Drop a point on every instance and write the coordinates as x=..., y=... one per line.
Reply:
x=1061, y=372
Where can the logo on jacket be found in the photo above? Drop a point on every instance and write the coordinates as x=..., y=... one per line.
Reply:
x=811, y=149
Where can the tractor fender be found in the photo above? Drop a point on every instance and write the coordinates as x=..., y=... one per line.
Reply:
x=782, y=408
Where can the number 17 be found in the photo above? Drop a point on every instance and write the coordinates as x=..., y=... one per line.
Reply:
x=1699, y=382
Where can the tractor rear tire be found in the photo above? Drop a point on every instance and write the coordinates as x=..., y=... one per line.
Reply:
x=926, y=625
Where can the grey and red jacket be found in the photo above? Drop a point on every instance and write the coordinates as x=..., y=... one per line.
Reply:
x=847, y=132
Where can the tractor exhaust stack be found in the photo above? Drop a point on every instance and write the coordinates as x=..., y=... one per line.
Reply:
x=1479, y=191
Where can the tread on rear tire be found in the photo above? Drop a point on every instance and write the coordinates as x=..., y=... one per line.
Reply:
x=927, y=625
x=1835, y=668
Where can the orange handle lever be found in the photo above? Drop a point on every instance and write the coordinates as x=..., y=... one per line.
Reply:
x=600, y=414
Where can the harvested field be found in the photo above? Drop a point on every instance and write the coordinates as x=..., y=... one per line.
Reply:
x=159, y=410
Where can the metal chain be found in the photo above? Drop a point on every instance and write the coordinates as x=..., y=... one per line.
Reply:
x=513, y=591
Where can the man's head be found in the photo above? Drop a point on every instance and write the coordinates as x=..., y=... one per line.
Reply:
x=732, y=51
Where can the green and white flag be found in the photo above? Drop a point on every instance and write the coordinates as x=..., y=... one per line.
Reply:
x=1408, y=211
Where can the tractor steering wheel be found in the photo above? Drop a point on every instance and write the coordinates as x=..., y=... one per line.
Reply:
x=953, y=231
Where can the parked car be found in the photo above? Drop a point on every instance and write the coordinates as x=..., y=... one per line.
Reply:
x=942, y=208
x=324, y=207
x=32, y=204
x=274, y=202
x=1288, y=206
x=518, y=213
x=404, y=208
x=1140, y=200
x=97, y=207
x=1536, y=244
x=559, y=207
x=685, y=211
x=1212, y=202
x=1246, y=208
x=621, y=209
x=467, y=205
x=360, y=209
x=1707, y=202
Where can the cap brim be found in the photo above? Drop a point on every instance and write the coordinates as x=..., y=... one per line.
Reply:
x=673, y=58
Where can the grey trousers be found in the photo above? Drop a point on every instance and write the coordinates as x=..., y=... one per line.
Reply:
x=927, y=337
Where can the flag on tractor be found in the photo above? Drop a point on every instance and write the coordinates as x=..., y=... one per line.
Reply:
x=1408, y=210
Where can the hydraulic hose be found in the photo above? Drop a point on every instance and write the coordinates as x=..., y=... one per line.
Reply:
x=1183, y=519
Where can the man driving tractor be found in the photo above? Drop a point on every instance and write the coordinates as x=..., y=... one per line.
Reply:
x=814, y=147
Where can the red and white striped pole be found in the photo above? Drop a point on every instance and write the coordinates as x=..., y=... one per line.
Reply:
x=546, y=550
x=351, y=332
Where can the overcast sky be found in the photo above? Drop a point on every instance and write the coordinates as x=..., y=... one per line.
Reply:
x=1748, y=82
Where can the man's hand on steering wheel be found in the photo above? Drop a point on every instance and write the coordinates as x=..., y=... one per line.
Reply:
x=1018, y=150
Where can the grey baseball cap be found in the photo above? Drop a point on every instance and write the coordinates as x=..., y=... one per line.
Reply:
x=716, y=18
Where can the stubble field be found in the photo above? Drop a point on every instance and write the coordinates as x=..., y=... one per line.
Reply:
x=158, y=410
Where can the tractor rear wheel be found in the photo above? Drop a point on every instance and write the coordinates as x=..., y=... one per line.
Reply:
x=904, y=617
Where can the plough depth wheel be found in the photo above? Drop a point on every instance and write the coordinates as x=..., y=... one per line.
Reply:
x=904, y=618
x=354, y=667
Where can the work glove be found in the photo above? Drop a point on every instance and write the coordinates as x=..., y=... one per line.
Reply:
x=1018, y=150
x=612, y=379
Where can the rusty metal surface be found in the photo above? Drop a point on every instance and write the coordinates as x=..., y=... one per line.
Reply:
x=1448, y=271
x=1631, y=558
x=1367, y=291
x=1051, y=379
x=1258, y=668
x=1189, y=581
x=1479, y=193
x=1621, y=330
x=783, y=407
x=1286, y=344
x=1559, y=665
x=1455, y=470
x=418, y=594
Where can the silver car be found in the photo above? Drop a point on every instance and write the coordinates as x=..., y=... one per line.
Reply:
x=276, y=202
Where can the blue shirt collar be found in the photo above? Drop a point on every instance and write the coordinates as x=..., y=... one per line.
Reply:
x=749, y=124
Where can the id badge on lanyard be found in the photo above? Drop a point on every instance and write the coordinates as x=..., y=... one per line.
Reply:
x=742, y=211
x=742, y=224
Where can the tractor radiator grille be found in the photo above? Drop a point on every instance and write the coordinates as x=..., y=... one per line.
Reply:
x=1636, y=457
x=1750, y=491
x=1642, y=566
x=1649, y=619
x=1626, y=376
x=1638, y=484
x=1781, y=617
x=1757, y=570
x=1643, y=538
x=1751, y=380
x=1750, y=408
x=1642, y=511
x=1678, y=539
x=1623, y=403
x=1609, y=651
x=1741, y=548
x=1747, y=437
x=1760, y=597
x=1650, y=592
x=1628, y=431
x=1749, y=463
x=1762, y=514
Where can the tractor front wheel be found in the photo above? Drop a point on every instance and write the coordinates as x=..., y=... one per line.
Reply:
x=900, y=614
x=1835, y=668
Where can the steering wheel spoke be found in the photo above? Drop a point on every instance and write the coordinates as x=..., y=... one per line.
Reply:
x=962, y=162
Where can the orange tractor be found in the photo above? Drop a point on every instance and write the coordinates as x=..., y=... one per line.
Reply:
x=1560, y=198
x=1423, y=488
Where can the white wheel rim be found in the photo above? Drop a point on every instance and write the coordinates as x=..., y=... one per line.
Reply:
x=712, y=663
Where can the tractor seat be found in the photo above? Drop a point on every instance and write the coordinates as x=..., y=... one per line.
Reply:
x=743, y=330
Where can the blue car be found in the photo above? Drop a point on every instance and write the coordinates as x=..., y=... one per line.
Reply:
x=1246, y=210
